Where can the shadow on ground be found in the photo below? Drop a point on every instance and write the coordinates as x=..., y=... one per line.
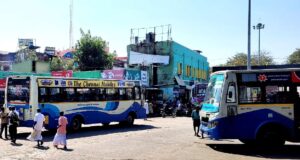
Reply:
x=92, y=131
x=284, y=152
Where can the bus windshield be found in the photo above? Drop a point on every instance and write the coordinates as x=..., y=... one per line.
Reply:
x=18, y=90
x=214, y=90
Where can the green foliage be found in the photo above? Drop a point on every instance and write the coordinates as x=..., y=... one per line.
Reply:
x=56, y=64
x=294, y=58
x=90, y=53
x=240, y=59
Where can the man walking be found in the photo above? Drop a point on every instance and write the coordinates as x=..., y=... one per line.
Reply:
x=196, y=120
x=36, y=134
x=13, y=124
x=4, y=122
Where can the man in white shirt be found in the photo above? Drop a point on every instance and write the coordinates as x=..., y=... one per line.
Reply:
x=36, y=134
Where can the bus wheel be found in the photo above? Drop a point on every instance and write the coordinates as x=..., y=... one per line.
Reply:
x=76, y=124
x=130, y=120
x=271, y=136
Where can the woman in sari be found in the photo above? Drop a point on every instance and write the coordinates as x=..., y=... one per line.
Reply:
x=60, y=136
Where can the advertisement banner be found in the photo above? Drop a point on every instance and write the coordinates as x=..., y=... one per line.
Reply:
x=47, y=82
x=2, y=83
x=132, y=75
x=68, y=73
x=113, y=74
x=144, y=78
x=25, y=42
x=50, y=51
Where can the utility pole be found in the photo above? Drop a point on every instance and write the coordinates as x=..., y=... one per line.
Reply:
x=259, y=26
x=71, y=25
x=249, y=37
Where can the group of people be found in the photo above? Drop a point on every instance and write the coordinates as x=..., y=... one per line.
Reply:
x=11, y=119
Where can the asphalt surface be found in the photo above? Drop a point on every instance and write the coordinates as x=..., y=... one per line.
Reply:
x=155, y=138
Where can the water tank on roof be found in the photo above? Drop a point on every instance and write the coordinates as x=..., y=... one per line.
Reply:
x=136, y=40
x=150, y=37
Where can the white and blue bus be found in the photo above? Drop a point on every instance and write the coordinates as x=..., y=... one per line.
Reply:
x=84, y=101
x=253, y=106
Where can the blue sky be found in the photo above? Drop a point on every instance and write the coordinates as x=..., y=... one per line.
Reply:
x=217, y=27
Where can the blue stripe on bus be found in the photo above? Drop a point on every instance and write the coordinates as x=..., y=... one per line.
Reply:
x=90, y=114
x=246, y=125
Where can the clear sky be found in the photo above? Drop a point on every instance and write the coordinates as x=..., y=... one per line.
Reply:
x=216, y=27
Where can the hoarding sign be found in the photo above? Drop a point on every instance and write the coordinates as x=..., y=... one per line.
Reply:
x=113, y=74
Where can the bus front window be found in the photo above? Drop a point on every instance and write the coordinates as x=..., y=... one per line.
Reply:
x=214, y=90
x=18, y=90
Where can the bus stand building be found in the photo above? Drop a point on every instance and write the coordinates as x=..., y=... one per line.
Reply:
x=172, y=68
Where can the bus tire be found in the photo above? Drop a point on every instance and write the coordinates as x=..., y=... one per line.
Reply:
x=271, y=135
x=128, y=121
x=76, y=123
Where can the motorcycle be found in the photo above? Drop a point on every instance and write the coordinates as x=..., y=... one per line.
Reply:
x=168, y=110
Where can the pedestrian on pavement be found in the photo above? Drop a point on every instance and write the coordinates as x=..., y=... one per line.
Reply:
x=4, y=122
x=13, y=124
x=36, y=134
x=146, y=106
x=60, y=136
x=196, y=120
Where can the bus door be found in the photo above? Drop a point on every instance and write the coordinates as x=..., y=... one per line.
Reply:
x=297, y=107
x=230, y=110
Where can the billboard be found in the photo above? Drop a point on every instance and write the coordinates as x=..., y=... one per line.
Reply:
x=147, y=59
x=113, y=74
x=25, y=42
x=50, y=51
x=68, y=73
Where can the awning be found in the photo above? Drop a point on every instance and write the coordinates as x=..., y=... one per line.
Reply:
x=179, y=81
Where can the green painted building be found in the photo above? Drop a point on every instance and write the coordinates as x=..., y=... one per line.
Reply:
x=176, y=78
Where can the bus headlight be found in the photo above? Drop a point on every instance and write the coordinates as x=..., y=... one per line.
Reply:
x=212, y=124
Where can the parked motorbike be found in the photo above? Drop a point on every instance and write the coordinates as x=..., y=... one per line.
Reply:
x=168, y=110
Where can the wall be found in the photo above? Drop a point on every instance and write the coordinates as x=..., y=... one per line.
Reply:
x=26, y=66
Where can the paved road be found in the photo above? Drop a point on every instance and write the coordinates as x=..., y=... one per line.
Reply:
x=156, y=138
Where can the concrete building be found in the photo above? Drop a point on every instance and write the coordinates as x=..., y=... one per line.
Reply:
x=173, y=69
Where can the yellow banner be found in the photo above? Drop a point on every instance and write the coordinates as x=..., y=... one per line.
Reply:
x=83, y=83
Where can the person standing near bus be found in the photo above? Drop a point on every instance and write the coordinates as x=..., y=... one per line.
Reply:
x=146, y=106
x=60, y=136
x=13, y=124
x=36, y=134
x=196, y=120
x=4, y=122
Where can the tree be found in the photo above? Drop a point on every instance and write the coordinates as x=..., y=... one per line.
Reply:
x=240, y=59
x=294, y=58
x=90, y=53
x=56, y=64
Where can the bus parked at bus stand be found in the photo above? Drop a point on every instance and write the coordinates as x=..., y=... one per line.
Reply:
x=84, y=101
x=254, y=106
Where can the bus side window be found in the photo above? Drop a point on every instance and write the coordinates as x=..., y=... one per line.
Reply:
x=102, y=94
x=231, y=93
x=137, y=93
x=122, y=94
x=42, y=95
x=129, y=93
x=55, y=95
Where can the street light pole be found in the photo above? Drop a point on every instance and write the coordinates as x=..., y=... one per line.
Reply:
x=259, y=26
x=249, y=37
